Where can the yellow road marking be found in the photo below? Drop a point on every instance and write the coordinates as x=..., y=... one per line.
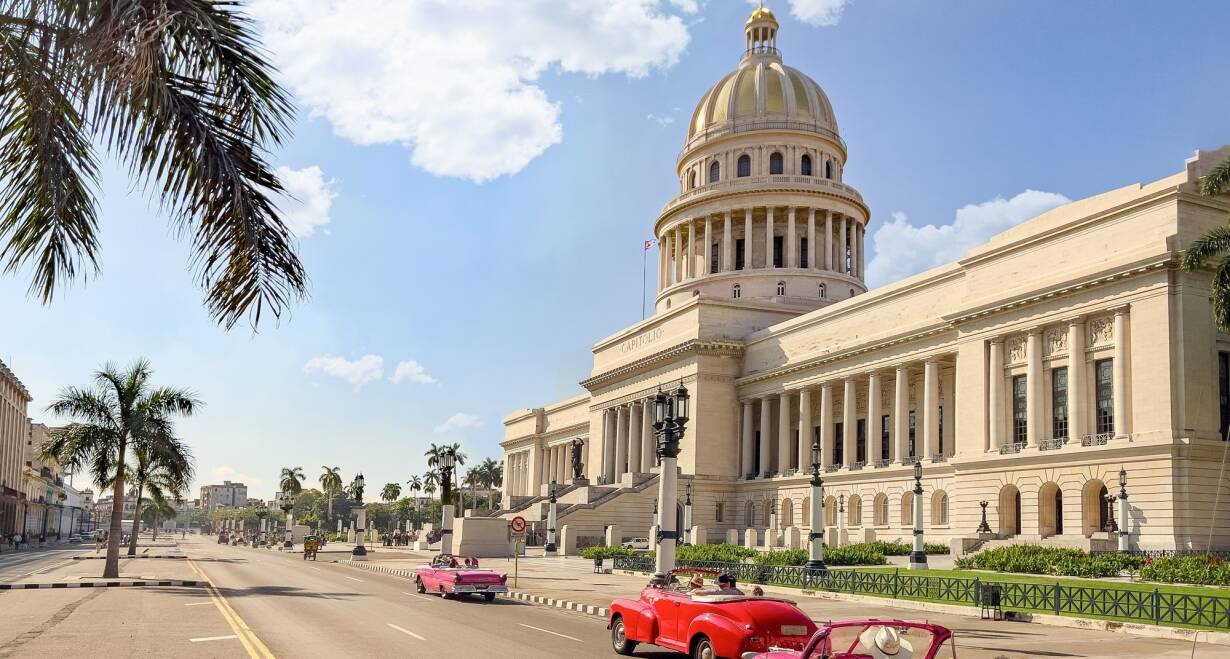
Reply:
x=256, y=649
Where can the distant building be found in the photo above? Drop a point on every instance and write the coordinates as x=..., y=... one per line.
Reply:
x=230, y=494
x=14, y=431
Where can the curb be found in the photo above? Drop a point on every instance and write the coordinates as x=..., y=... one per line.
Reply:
x=102, y=558
x=587, y=609
x=102, y=584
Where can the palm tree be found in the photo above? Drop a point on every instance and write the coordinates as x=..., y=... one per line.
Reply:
x=331, y=485
x=493, y=477
x=290, y=481
x=430, y=479
x=120, y=414
x=415, y=484
x=178, y=91
x=390, y=492
x=158, y=508
x=162, y=464
x=473, y=476
x=1214, y=245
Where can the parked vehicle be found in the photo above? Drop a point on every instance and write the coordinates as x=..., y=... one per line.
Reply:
x=706, y=624
x=872, y=639
x=636, y=543
x=455, y=575
x=310, y=546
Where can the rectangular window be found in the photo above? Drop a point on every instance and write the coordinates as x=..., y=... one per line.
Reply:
x=1020, y=414
x=1105, y=392
x=714, y=252
x=913, y=427
x=739, y=254
x=885, y=425
x=756, y=454
x=1223, y=387
x=802, y=252
x=720, y=512
x=777, y=251
x=860, y=441
x=839, y=444
x=1059, y=403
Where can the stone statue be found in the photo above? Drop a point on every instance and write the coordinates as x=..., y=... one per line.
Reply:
x=577, y=465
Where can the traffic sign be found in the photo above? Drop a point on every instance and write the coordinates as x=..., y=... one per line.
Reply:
x=517, y=525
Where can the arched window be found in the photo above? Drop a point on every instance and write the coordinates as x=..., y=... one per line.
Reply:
x=830, y=511
x=768, y=515
x=880, y=510
x=855, y=509
x=786, y=513
x=805, y=520
x=775, y=163
x=781, y=288
x=691, y=180
x=736, y=292
x=745, y=166
x=805, y=166
x=715, y=172
x=939, y=508
x=828, y=169
x=821, y=291
x=907, y=510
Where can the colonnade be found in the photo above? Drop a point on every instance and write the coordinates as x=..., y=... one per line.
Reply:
x=525, y=476
x=840, y=247
x=627, y=440
x=853, y=436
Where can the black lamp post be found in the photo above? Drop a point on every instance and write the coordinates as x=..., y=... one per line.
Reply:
x=670, y=418
x=359, y=553
x=1123, y=510
x=550, y=549
x=815, y=537
x=448, y=459
x=687, y=513
x=918, y=558
x=262, y=513
x=287, y=506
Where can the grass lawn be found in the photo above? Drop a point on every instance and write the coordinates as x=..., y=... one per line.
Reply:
x=1147, y=586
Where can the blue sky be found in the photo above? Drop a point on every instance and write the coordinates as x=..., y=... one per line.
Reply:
x=488, y=170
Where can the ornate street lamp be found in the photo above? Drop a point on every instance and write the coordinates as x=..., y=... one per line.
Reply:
x=815, y=538
x=262, y=513
x=983, y=527
x=550, y=549
x=448, y=459
x=1123, y=510
x=288, y=505
x=918, y=558
x=770, y=534
x=670, y=418
x=687, y=514
x=359, y=553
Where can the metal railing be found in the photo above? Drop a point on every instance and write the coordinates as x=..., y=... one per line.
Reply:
x=1145, y=606
x=832, y=468
x=1009, y=449
x=1052, y=444
x=858, y=465
x=883, y=463
x=939, y=457
x=1099, y=439
x=909, y=460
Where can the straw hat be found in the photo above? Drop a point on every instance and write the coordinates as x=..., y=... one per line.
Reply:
x=884, y=643
x=697, y=581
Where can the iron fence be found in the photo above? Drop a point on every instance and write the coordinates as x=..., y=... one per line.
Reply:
x=1146, y=606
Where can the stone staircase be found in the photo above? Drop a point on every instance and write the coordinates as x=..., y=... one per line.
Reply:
x=1098, y=542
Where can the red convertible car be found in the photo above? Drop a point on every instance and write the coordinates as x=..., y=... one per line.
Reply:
x=872, y=639
x=454, y=575
x=706, y=624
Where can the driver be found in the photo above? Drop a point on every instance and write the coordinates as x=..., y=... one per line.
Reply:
x=882, y=642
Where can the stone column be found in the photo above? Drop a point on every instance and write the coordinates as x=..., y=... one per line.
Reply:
x=1033, y=388
x=995, y=380
x=811, y=239
x=874, y=394
x=747, y=239
x=948, y=405
x=862, y=256
x=768, y=237
x=662, y=263
x=841, y=248
x=621, y=440
x=1076, y=379
x=828, y=240
x=689, y=262
x=549, y=458
x=749, y=440
x=783, y=433
x=649, y=449
x=931, y=403
x=792, y=248
x=608, y=446
x=1119, y=373
x=901, y=412
x=826, y=424
x=676, y=264
x=854, y=248
x=708, y=263
x=849, y=402
x=805, y=427
x=766, y=441
x=728, y=245
x=634, y=437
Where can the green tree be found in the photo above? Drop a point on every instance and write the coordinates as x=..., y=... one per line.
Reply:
x=121, y=413
x=178, y=91
x=1214, y=246
x=493, y=477
x=430, y=480
x=291, y=479
x=390, y=492
x=331, y=485
x=155, y=510
x=162, y=466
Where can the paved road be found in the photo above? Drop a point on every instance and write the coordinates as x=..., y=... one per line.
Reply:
x=28, y=563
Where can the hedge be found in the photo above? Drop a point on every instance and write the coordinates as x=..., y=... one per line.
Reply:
x=1199, y=569
x=1059, y=561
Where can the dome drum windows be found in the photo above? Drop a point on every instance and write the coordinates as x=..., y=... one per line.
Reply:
x=736, y=291
x=744, y=166
x=715, y=172
x=828, y=169
x=805, y=165
x=776, y=163
x=781, y=288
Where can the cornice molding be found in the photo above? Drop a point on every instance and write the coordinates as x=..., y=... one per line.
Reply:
x=692, y=346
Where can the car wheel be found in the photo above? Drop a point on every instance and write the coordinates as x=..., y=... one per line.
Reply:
x=443, y=593
x=490, y=597
x=702, y=648
x=418, y=585
x=619, y=637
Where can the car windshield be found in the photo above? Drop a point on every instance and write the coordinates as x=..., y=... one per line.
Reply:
x=857, y=641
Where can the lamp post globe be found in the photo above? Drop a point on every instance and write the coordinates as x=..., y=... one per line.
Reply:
x=918, y=557
x=815, y=536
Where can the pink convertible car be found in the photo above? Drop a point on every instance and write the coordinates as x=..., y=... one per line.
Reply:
x=454, y=575
x=872, y=639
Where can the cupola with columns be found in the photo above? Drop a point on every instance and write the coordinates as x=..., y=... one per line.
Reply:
x=762, y=215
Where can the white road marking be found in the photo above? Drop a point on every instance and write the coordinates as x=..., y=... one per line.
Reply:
x=407, y=632
x=415, y=595
x=548, y=631
x=353, y=579
x=198, y=603
x=315, y=568
x=212, y=638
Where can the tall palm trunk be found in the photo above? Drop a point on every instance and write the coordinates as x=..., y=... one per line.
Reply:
x=111, y=567
x=136, y=520
x=155, y=538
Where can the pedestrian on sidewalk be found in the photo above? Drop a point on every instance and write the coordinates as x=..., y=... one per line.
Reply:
x=17, y=542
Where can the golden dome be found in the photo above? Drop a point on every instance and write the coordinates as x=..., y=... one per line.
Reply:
x=762, y=13
x=764, y=88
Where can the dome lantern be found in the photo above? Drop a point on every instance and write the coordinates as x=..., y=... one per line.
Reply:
x=760, y=33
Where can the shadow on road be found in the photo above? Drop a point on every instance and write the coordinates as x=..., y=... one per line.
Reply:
x=285, y=591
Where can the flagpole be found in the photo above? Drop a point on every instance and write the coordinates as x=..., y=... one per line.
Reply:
x=644, y=266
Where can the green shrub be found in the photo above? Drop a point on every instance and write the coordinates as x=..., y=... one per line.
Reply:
x=783, y=557
x=860, y=554
x=1201, y=569
x=935, y=548
x=1061, y=561
x=607, y=552
x=721, y=553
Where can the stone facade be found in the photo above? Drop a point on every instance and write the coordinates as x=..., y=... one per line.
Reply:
x=14, y=433
x=1026, y=374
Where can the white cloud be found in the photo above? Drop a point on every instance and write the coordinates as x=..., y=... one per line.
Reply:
x=661, y=121
x=686, y=6
x=309, y=197
x=357, y=373
x=820, y=13
x=455, y=82
x=902, y=249
x=226, y=473
x=412, y=371
x=459, y=421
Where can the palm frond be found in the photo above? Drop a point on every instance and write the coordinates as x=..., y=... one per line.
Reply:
x=1217, y=180
x=1205, y=248
x=1221, y=295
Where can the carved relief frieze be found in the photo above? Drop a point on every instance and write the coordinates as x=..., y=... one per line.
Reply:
x=1016, y=349
x=1101, y=332
x=1055, y=341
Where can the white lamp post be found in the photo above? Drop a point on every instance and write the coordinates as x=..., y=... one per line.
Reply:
x=550, y=549
x=670, y=418
x=815, y=538
x=359, y=553
x=447, y=460
x=918, y=558
x=687, y=514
